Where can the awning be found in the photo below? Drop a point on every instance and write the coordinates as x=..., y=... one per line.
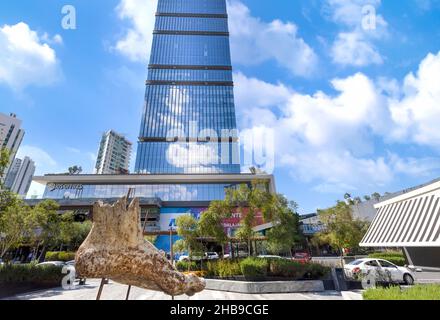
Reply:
x=408, y=220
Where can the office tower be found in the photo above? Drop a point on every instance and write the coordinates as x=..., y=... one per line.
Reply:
x=11, y=136
x=189, y=93
x=114, y=154
x=12, y=174
x=24, y=176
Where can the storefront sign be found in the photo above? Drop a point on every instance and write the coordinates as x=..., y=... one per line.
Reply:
x=60, y=186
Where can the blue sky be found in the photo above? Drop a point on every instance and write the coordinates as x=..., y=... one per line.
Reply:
x=354, y=105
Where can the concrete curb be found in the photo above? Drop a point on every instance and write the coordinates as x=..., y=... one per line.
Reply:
x=265, y=287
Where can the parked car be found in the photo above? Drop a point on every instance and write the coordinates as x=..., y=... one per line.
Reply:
x=302, y=257
x=52, y=263
x=206, y=256
x=384, y=271
x=185, y=257
x=71, y=263
x=212, y=256
x=269, y=257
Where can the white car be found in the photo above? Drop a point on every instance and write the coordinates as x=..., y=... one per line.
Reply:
x=207, y=256
x=212, y=256
x=52, y=263
x=382, y=270
x=270, y=257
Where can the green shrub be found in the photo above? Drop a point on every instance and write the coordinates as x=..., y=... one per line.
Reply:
x=395, y=257
x=30, y=273
x=296, y=271
x=60, y=256
x=223, y=268
x=254, y=267
x=183, y=266
x=316, y=271
x=419, y=292
x=287, y=269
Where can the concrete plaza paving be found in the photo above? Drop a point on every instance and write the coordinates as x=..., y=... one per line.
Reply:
x=114, y=291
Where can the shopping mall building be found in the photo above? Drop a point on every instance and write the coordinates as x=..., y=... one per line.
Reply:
x=162, y=197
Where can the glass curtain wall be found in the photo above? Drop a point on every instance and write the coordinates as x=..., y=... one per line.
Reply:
x=189, y=123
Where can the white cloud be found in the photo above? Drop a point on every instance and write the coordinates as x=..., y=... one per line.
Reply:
x=355, y=44
x=331, y=140
x=137, y=39
x=416, y=112
x=43, y=161
x=73, y=150
x=253, y=41
x=351, y=49
x=195, y=156
x=26, y=58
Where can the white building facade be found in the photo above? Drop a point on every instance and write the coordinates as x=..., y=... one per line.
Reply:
x=114, y=154
x=11, y=136
x=23, y=177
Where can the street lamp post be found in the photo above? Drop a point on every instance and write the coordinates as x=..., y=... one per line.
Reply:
x=172, y=226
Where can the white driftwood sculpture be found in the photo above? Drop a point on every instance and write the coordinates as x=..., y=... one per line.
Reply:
x=115, y=249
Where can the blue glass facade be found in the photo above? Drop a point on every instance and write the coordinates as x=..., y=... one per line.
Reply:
x=189, y=82
x=165, y=192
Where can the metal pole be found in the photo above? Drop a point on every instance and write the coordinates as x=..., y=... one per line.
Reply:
x=98, y=297
x=128, y=293
x=171, y=246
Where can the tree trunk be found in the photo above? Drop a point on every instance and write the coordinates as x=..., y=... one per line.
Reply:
x=42, y=255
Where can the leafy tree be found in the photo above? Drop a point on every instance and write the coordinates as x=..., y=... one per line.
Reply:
x=4, y=161
x=211, y=222
x=367, y=198
x=73, y=233
x=376, y=196
x=342, y=231
x=187, y=229
x=357, y=200
x=252, y=200
x=15, y=227
x=347, y=196
x=75, y=170
x=249, y=201
x=48, y=224
x=7, y=198
x=285, y=232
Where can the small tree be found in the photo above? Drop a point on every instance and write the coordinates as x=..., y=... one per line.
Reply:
x=341, y=229
x=187, y=229
x=376, y=196
x=7, y=198
x=211, y=222
x=4, y=161
x=249, y=201
x=47, y=222
x=15, y=227
x=72, y=234
x=285, y=232
x=75, y=170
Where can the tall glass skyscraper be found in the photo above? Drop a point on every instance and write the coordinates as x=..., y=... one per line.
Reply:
x=189, y=124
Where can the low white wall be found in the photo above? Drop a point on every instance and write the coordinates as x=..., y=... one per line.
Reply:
x=265, y=287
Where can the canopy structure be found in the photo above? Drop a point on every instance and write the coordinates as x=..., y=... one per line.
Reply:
x=410, y=221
